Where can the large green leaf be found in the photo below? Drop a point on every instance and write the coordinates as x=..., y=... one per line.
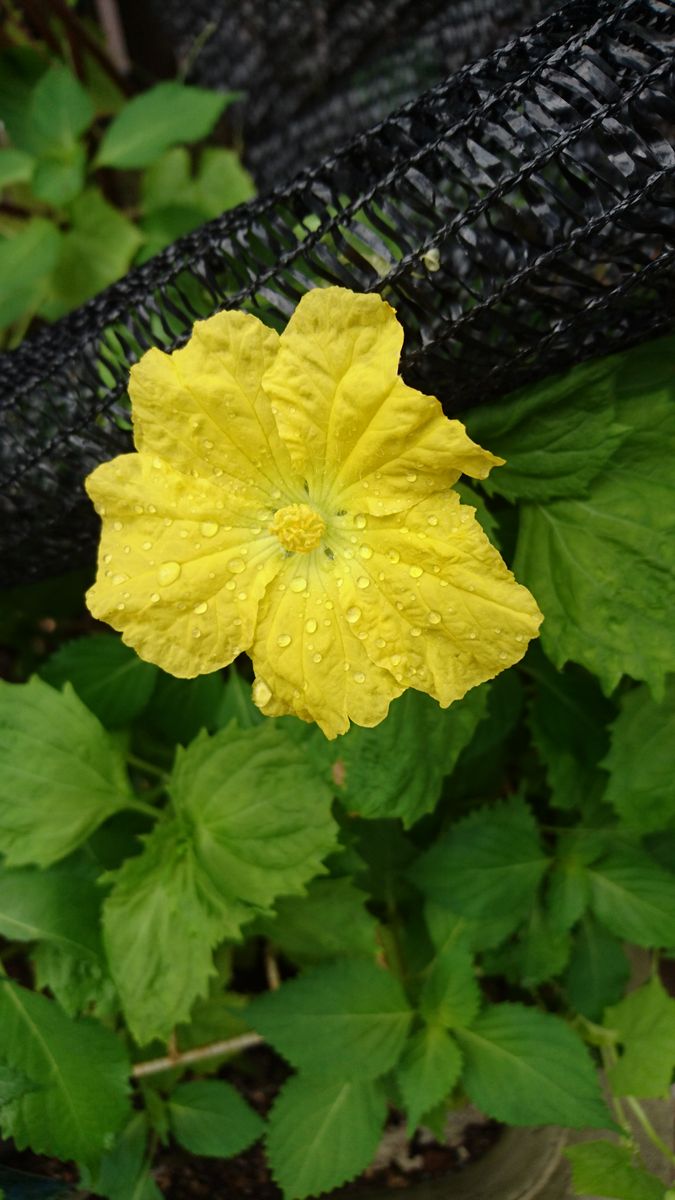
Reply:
x=62, y=774
x=121, y=1174
x=25, y=263
x=598, y=970
x=81, y=1070
x=107, y=675
x=331, y=921
x=634, y=897
x=13, y=1084
x=180, y=708
x=429, y=1068
x=526, y=1067
x=252, y=823
x=641, y=761
x=208, y=1116
x=607, y=1169
x=348, y=1020
x=323, y=1134
x=95, y=251
x=491, y=862
x=15, y=167
x=57, y=905
x=450, y=995
x=162, y=116
x=60, y=110
x=644, y=1022
x=603, y=568
x=396, y=769
x=555, y=435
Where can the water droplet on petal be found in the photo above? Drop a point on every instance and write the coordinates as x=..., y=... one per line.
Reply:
x=502, y=657
x=155, y=597
x=138, y=508
x=353, y=615
x=395, y=660
x=117, y=579
x=366, y=551
x=359, y=677
x=316, y=658
x=380, y=643
x=416, y=572
x=260, y=693
x=208, y=529
x=472, y=636
x=393, y=556
x=242, y=595
x=360, y=521
x=168, y=572
x=415, y=631
x=207, y=444
x=236, y=566
x=432, y=520
x=284, y=639
x=230, y=585
x=200, y=608
x=120, y=607
x=298, y=584
x=411, y=476
x=107, y=558
x=363, y=581
x=147, y=545
x=117, y=525
x=196, y=633
x=434, y=618
x=310, y=626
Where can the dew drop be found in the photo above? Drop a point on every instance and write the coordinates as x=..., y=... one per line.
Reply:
x=360, y=521
x=207, y=444
x=472, y=636
x=167, y=521
x=260, y=693
x=362, y=635
x=366, y=551
x=242, y=595
x=353, y=615
x=183, y=533
x=147, y=545
x=127, y=549
x=230, y=585
x=316, y=658
x=415, y=631
x=328, y=604
x=200, y=608
x=196, y=633
x=284, y=639
x=359, y=677
x=236, y=566
x=434, y=618
x=311, y=625
x=363, y=581
x=120, y=607
x=208, y=529
x=380, y=643
x=348, y=553
x=117, y=525
x=416, y=572
x=138, y=508
x=168, y=572
x=411, y=476
x=107, y=558
x=151, y=508
x=117, y=579
x=432, y=520
x=298, y=584
x=237, y=621
x=395, y=660
x=155, y=597
x=393, y=556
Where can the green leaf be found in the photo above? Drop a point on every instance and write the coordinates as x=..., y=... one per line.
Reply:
x=120, y=1175
x=252, y=822
x=330, y=922
x=429, y=1068
x=165, y=225
x=347, y=1020
x=60, y=110
x=607, y=1169
x=82, y=1072
x=598, y=971
x=15, y=167
x=96, y=251
x=396, y=769
x=645, y=1024
x=526, y=1067
x=25, y=262
x=57, y=905
x=222, y=182
x=163, y=116
x=323, y=1134
x=450, y=995
x=603, y=569
x=568, y=894
x=180, y=708
x=209, y=1117
x=236, y=704
x=20, y=70
x=13, y=1084
x=490, y=862
x=167, y=179
x=542, y=950
x=107, y=675
x=555, y=435
x=59, y=176
x=62, y=774
x=81, y=985
x=634, y=897
x=568, y=717
x=446, y=927
x=641, y=761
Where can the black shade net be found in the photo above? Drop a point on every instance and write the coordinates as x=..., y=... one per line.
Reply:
x=519, y=215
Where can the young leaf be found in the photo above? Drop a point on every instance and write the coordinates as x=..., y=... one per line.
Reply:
x=645, y=1024
x=208, y=1116
x=526, y=1067
x=488, y=863
x=81, y=1070
x=640, y=761
x=60, y=110
x=634, y=897
x=252, y=822
x=555, y=435
x=108, y=677
x=428, y=1070
x=607, y=1169
x=450, y=995
x=120, y=1173
x=25, y=262
x=330, y=922
x=15, y=167
x=396, y=769
x=598, y=970
x=62, y=774
x=323, y=1134
x=163, y=116
x=348, y=1020
x=80, y=985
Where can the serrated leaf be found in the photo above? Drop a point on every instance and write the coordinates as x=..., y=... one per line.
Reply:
x=81, y=985
x=490, y=862
x=450, y=994
x=330, y=922
x=60, y=110
x=641, y=760
x=252, y=822
x=446, y=927
x=15, y=167
x=603, y=569
x=25, y=263
x=645, y=1024
x=13, y=1084
x=323, y=1134
x=120, y=1173
x=82, y=1073
x=208, y=1116
x=162, y=116
x=542, y=950
x=429, y=1068
x=62, y=773
x=526, y=1067
x=348, y=1020
x=555, y=434
x=396, y=769
x=598, y=970
x=607, y=1169
x=634, y=897
x=107, y=675
x=567, y=895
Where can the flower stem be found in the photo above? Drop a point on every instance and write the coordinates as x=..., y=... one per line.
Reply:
x=643, y=1120
x=148, y=768
x=141, y=806
x=200, y=1054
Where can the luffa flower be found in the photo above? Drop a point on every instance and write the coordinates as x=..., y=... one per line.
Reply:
x=292, y=498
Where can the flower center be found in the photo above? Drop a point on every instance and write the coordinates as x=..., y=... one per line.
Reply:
x=298, y=527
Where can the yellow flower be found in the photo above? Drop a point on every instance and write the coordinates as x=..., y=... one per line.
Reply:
x=292, y=497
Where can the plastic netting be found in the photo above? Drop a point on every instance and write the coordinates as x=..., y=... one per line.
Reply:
x=519, y=215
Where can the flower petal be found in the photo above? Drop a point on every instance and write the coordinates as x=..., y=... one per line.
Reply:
x=437, y=604
x=307, y=657
x=181, y=571
x=203, y=409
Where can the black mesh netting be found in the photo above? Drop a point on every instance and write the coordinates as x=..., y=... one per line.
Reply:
x=519, y=215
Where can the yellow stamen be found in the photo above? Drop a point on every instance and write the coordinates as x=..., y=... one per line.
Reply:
x=298, y=527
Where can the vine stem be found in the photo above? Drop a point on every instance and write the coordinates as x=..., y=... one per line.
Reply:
x=650, y=1132
x=141, y=806
x=200, y=1054
x=148, y=767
